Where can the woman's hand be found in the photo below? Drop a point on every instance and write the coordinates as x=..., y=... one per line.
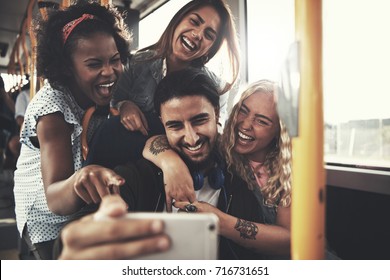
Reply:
x=93, y=182
x=106, y=235
x=200, y=207
x=133, y=118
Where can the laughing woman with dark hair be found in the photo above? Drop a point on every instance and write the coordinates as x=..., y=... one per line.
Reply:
x=80, y=52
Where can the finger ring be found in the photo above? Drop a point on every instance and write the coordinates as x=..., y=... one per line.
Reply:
x=190, y=208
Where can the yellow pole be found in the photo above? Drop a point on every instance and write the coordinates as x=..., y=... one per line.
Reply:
x=308, y=198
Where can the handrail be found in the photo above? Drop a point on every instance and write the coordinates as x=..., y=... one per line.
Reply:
x=24, y=46
x=18, y=59
x=33, y=46
x=105, y=2
x=43, y=10
x=65, y=3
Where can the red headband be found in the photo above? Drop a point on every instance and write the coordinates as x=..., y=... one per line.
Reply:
x=68, y=28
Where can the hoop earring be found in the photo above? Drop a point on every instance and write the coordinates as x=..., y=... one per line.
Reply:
x=205, y=59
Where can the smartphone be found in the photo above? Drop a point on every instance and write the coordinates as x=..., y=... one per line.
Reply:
x=193, y=236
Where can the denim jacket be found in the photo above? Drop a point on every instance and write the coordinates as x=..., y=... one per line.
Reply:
x=139, y=81
x=140, y=78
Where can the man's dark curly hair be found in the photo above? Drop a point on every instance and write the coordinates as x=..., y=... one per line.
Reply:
x=186, y=82
x=54, y=56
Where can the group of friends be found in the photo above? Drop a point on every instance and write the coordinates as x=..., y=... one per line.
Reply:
x=159, y=150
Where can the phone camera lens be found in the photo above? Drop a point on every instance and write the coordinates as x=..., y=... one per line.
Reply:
x=212, y=227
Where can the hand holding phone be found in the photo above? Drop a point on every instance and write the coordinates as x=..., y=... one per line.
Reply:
x=193, y=236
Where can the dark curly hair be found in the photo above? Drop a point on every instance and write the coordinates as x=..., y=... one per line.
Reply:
x=54, y=56
x=186, y=82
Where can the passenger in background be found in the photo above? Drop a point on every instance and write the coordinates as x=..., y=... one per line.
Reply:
x=80, y=52
x=9, y=144
x=7, y=102
x=192, y=38
x=21, y=103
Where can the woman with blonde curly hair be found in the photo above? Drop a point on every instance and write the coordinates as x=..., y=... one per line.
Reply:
x=257, y=147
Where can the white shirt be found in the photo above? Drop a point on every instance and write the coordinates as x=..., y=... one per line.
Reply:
x=21, y=103
x=30, y=200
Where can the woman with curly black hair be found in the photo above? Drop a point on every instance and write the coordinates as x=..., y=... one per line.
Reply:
x=80, y=52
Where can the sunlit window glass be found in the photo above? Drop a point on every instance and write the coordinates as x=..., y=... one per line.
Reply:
x=271, y=30
x=356, y=61
x=152, y=26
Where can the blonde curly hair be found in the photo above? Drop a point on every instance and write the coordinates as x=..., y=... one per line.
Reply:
x=277, y=190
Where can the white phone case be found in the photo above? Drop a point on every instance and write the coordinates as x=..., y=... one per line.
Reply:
x=193, y=236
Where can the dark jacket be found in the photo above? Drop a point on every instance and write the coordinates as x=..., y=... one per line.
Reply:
x=141, y=76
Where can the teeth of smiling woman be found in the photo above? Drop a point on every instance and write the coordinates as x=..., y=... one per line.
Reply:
x=194, y=148
x=243, y=136
x=107, y=85
x=189, y=43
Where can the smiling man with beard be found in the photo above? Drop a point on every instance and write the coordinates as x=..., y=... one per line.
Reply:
x=188, y=104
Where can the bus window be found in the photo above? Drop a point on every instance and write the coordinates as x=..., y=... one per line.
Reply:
x=356, y=87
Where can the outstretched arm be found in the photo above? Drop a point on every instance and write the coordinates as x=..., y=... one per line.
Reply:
x=106, y=235
x=66, y=190
x=177, y=178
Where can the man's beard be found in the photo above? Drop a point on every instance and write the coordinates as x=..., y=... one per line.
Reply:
x=198, y=165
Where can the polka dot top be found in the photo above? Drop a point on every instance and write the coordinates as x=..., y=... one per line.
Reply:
x=30, y=200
